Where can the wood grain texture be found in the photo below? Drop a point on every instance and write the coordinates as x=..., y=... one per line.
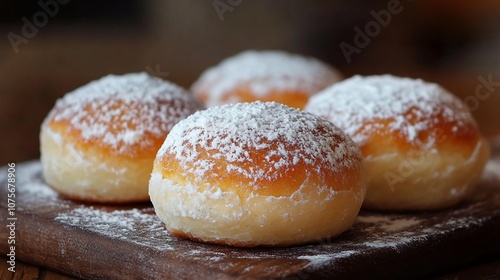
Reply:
x=26, y=271
x=23, y=271
x=129, y=242
x=484, y=271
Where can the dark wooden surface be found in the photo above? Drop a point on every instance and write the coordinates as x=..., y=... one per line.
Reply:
x=128, y=242
x=485, y=270
x=482, y=269
x=29, y=272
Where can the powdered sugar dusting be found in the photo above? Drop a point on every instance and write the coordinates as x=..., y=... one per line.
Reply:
x=411, y=106
x=231, y=132
x=34, y=188
x=318, y=261
x=124, y=110
x=390, y=224
x=403, y=229
x=265, y=71
x=120, y=224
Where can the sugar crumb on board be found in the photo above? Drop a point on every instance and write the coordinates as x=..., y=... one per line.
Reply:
x=387, y=224
x=33, y=187
x=132, y=224
x=320, y=260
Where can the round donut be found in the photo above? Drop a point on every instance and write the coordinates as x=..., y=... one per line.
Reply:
x=257, y=174
x=264, y=75
x=421, y=145
x=98, y=143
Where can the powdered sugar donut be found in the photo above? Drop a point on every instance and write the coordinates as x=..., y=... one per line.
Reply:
x=253, y=174
x=98, y=143
x=266, y=76
x=421, y=145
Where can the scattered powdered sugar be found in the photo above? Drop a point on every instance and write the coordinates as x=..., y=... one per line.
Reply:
x=38, y=190
x=411, y=105
x=390, y=231
x=204, y=255
x=399, y=231
x=127, y=224
x=263, y=72
x=124, y=110
x=34, y=188
x=395, y=242
x=317, y=261
x=234, y=132
x=390, y=224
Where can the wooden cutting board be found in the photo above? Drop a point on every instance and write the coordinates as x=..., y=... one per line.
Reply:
x=129, y=242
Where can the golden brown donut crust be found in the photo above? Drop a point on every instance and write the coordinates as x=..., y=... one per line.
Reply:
x=98, y=143
x=422, y=147
x=261, y=180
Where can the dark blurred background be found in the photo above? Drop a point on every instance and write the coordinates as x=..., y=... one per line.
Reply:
x=50, y=47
